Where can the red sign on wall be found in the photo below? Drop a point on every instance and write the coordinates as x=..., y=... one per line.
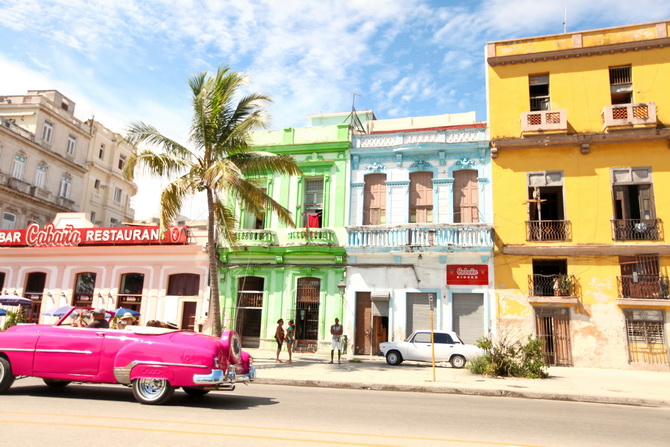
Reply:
x=468, y=274
x=69, y=236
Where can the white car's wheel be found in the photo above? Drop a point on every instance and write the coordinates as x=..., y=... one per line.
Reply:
x=152, y=391
x=6, y=376
x=457, y=361
x=393, y=358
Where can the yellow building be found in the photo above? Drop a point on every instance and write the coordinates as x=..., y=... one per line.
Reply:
x=580, y=134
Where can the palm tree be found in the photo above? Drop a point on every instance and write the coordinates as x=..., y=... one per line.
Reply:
x=220, y=162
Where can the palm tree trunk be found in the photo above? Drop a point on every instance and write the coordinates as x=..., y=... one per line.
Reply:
x=212, y=250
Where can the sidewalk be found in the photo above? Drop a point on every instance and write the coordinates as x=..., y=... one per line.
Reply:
x=609, y=386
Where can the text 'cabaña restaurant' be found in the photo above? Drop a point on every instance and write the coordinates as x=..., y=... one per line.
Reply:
x=71, y=262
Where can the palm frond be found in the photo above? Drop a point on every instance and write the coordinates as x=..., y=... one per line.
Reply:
x=226, y=223
x=172, y=198
x=258, y=163
x=139, y=132
x=159, y=164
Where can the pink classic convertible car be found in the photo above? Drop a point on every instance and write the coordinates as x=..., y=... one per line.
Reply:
x=153, y=361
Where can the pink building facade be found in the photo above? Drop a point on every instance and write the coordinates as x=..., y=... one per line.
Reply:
x=71, y=262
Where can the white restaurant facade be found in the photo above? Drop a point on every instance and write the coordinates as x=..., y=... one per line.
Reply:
x=72, y=262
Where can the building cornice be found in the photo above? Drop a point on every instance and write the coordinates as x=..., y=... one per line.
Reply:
x=586, y=250
x=650, y=44
x=581, y=140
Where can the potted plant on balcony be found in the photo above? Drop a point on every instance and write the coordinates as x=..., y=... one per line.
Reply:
x=562, y=285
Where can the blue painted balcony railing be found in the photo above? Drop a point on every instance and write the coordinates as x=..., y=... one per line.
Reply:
x=421, y=235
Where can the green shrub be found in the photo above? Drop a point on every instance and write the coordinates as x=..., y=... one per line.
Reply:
x=508, y=358
x=14, y=318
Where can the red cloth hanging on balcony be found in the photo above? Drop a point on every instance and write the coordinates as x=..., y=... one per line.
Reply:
x=313, y=220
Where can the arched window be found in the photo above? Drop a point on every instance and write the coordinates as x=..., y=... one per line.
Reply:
x=34, y=290
x=83, y=289
x=130, y=291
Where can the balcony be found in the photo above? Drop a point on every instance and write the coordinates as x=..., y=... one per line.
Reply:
x=311, y=236
x=261, y=238
x=40, y=192
x=629, y=115
x=639, y=290
x=19, y=185
x=548, y=230
x=421, y=235
x=636, y=229
x=65, y=203
x=544, y=121
x=552, y=289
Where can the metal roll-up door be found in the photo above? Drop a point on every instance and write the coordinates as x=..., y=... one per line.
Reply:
x=418, y=312
x=468, y=320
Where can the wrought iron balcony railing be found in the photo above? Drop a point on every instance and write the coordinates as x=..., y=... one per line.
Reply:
x=636, y=229
x=643, y=286
x=421, y=235
x=548, y=230
x=552, y=285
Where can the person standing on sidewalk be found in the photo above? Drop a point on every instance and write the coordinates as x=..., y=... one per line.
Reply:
x=279, y=337
x=290, y=340
x=336, y=330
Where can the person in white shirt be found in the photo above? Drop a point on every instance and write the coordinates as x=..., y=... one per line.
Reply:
x=336, y=330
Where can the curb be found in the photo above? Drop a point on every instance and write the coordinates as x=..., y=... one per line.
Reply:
x=611, y=400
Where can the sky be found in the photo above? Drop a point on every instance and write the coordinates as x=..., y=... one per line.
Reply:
x=130, y=60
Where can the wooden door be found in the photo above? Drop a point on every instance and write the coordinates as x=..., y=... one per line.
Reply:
x=466, y=197
x=363, y=335
x=421, y=197
x=374, y=199
x=188, y=315
x=554, y=329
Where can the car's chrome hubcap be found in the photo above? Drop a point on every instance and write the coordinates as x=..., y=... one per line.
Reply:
x=151, y=388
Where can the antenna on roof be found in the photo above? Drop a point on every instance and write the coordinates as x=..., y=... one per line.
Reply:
x=565, y=20
x=355, y=120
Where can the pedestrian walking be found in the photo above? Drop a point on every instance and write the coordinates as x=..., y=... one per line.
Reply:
x=336, y=331
x=279, y=337
x=290, y=340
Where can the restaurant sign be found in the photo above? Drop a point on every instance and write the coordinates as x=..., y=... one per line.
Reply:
x=468, y=274
x=69, y=236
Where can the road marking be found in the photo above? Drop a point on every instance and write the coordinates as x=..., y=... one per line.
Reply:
x=238, y=427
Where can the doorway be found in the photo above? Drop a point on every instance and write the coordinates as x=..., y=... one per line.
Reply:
x=188, y=315
x=553, y=327
x=307, y=314
x=250, y=310
x=363, y=336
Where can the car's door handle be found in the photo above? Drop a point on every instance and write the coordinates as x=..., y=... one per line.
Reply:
x=100, y=334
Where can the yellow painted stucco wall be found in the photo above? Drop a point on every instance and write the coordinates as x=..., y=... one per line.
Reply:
x=578, y=84
x=581, y=86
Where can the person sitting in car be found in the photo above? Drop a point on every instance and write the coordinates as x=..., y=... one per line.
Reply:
x=99, y=320
x=126, y=320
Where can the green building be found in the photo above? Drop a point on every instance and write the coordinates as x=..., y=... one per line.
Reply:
x=293, y=273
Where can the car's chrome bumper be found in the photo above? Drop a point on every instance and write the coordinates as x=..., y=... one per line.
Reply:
x=214, y=378
x=248, y=377
x=217, y=376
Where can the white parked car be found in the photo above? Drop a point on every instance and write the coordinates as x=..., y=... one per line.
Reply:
x=417, y=348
